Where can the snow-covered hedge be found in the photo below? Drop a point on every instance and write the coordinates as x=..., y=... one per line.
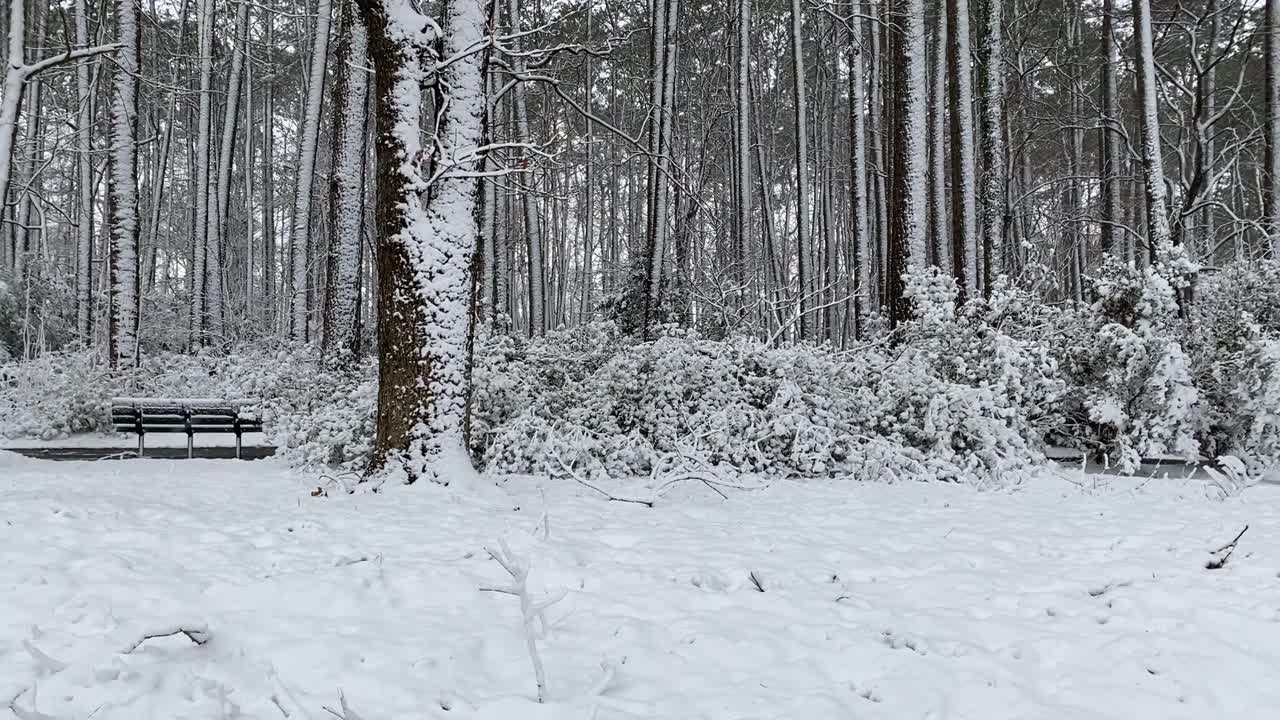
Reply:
x=957, y=399
x=967, y=394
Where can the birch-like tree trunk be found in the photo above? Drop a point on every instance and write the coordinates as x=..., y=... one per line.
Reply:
x=528, y=200
x=858, y=200
x=217, y=233
x=300, y=228
x=341, y=331
x=84, y=185
x=426, y=234
x=995, y=159
x=939, y=246
x=1110, y=157
x=804, y=241
x=1271, y=172
x=200, y=229
x=123, y=332
x=742, y=149
x=1158, y=238
x=964, y=198
x=908, y=228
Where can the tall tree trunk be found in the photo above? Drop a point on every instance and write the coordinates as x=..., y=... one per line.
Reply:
x=84, y=166
x=1158, y=238
x=300, y=228
x=938, y=244
x=1111, y=159
x=217, y=233
x=426, y=237
x=200, y=242
x=270, y=298
x=1271, y=172
x=123, y=331
x=742, y=150
x=342, y=298
x=804, y=241
x=910, y=167
x=528, y=200
x=993, y=147
x=858, y=201
x=964, y=200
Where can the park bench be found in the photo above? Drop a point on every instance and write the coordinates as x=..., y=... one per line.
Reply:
x=189, y=416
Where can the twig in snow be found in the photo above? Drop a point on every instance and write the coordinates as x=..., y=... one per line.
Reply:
x=518, y=569
x=197, y=634
x=33, y=713
x=1224, y=553
x=344, y=711
x=756, y=581
x=573, y=475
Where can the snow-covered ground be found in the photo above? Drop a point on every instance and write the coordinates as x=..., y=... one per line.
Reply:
x=1054, y=602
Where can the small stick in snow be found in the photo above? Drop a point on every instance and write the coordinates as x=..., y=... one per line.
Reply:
x=345, y=712
x=197, y=634
x=756, y=581
x=531, y=611
x=1224, y=553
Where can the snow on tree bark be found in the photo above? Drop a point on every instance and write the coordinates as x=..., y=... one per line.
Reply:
x=1158, y=238
x=1110, y=157
x=964, y=199
x=908, y=225
x=84, y=166
x=804, y=241
x=342, y=289
x=300, y=228
x=123, y=329
x=1271, y=173
x=995, y=163
x=428, y=232
x=200, y=229
x=528, y=200
x=217, y=233
x=858, y=201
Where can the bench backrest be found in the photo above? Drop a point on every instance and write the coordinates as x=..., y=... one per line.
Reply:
x=183, y=416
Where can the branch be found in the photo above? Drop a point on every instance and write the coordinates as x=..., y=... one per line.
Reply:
x=29, y=71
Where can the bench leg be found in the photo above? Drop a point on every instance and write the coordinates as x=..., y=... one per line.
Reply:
x=190, y=445
x=141, y=444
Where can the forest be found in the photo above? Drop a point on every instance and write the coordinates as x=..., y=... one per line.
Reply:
x=600, y=238
x=636, y=359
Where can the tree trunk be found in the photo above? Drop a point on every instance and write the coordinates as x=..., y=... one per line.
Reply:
x=426, y=236
x=340, y=337
x=200, y=242
x=1158, y=238
x=84, y=166
x=804, y=242
x=858, y=202
x=1271, y=172
x=300, y=229
x=993, y=146
x=910, y=167
x=123, y=332
x=1111, y=159
x=964, y=199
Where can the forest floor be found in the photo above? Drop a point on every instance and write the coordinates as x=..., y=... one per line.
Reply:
x=1077, y=596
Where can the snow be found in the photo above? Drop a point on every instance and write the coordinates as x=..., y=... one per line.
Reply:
x=1084, y=599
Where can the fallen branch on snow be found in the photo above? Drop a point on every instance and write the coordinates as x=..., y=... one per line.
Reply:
x=530, y=611
x=1223, y=554
x=197, y=634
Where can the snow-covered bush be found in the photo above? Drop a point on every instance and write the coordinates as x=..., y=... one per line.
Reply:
x=958, y=398
x=1131, y=393
x=55, y=395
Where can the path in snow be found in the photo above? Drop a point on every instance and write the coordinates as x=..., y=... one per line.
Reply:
x=909, y=601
